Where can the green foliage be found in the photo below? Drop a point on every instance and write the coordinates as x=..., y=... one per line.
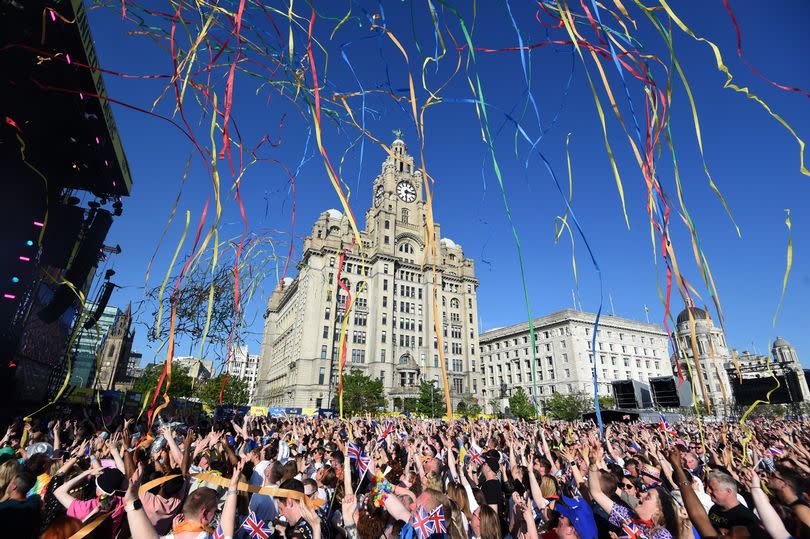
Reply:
x=521, y=406
x=495, y=404
x=181, y=386
x=236, y=391
x=431, y=400
x=474, y=409
x=568, y=407
x=606, y=402
x=361, y=394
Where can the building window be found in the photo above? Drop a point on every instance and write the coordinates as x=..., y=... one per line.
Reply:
x=331, y=261
x=321, y=375
x=382, y=337
x=404, y=215
x=323, y=352
x=358, y=356
x=386, y=239
x=387, y=226
x=325, y=332
x=385, y=268
x=385, y=285
x=326, y=313
x=382, y=355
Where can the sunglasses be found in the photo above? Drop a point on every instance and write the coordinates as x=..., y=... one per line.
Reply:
x=628, y=486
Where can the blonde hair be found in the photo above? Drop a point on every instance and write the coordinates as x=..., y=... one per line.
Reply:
x=8, y=471
x=457, y=493
x=548, y=486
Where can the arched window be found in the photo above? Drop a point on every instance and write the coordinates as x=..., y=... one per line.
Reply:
x=454, y=303
x=360, y=286
x=404, y=215
x=444, y=301
x=111, y=352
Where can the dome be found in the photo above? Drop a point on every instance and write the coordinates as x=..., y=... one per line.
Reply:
x=697, y=314
x=448, y=242
x=780, y=342
x=334, y=214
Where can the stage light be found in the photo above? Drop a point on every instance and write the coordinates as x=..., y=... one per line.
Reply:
x=29, y=243
x=39, y=224
x=9, y=296
x=25, y=259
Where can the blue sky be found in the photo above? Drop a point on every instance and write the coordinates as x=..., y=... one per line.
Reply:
x=753, y=160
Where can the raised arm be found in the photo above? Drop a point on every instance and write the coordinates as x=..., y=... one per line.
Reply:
x=174, y=450
x=594, y=480
x=228, y=520
x=767, y=514
x=694, y=507
x=139, y=525
x=186, y=460
x=62, y=494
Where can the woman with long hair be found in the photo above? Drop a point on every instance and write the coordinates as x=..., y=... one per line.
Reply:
x=489, y=523
x=655, y=513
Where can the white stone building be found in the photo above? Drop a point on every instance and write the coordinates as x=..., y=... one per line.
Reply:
x=708, y=376
x=245, y=366
x=391, y=276
x=625, y=349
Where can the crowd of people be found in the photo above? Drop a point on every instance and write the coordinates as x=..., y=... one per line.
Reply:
x=378, y=478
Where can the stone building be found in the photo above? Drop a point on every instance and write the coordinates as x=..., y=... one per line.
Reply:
x=245, y=366
x=625, y=349
x=708, y=377
x=391, y=276
x=114, y=359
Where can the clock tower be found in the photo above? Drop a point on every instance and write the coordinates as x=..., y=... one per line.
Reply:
x=393, y=332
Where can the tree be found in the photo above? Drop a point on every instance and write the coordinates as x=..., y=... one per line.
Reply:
x=606, y=402
x=521, y=406
x=567, y=407
x=431, y=400
x=361, y=394
x=181, y=386
x=474, y=409
x=236, y=390
x=495, y=404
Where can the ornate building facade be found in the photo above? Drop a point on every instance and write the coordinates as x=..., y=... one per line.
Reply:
x=114, y=359
x=625, y=349
x=708, y=377
x=390, y=333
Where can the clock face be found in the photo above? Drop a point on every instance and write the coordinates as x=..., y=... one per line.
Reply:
x=378, y=194
x=406, y=191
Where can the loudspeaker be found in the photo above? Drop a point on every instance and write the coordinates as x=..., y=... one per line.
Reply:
x=100, y=305
x=85, y=259
x=668, y=393
x=62, y=231
x=631, y=394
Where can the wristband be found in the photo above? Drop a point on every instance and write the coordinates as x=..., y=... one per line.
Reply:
x=134, y=505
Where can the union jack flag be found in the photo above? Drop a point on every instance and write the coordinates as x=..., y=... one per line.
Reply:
x=634, y=446
x=362, y=464
x=475, y=456
x=437, y=520
x=664, y=424
x=421, y=523
x=354, y=451
x=632, y=530
x=218, y=534
x=777, y=451
x=256, y=527
x=389, y=428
